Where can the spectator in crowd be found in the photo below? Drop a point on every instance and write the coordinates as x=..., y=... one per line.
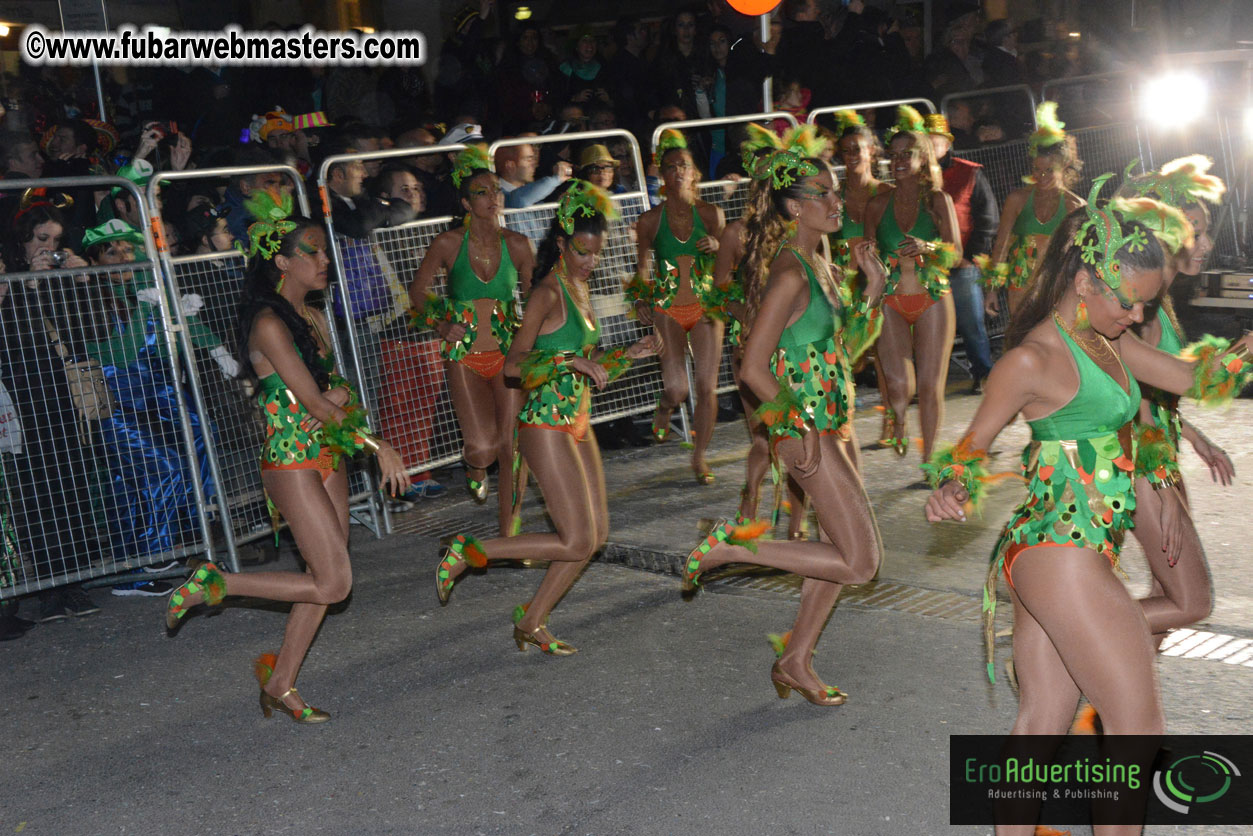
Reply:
x=626, y=77
x=598, y=167
x=241, y=187
x=1001, y=68
x=601, y=118
x=516, y=164
x=804, y=52
x=951, y=68
x=49, y=497
x=398, y=185
x=977, y=219
x=678, y=67
x=583, y=77
x=525, y=79
x=345, y=183
x=19, y=156
x=961, y=124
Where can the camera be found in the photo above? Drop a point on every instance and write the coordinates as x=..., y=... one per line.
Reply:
x=163, y=129
x=58, y=257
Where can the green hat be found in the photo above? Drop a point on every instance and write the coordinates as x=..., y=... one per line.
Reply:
x=114, y=230
x=138, y=171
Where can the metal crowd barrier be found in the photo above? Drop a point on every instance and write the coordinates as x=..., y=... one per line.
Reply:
x=93, y=493
x=819, y=112
x=1000, y=101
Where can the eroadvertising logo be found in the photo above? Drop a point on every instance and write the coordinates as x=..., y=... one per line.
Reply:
x=1194, y=780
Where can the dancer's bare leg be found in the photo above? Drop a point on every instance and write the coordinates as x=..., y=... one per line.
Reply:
x=508, y=401
x=933, y=342
x=896, y=349
x=706, y=340
x=474, y=401
x=1076, y=629
x=317, y=514
x=573, y=483
x=1182, y=594
x=673, y=360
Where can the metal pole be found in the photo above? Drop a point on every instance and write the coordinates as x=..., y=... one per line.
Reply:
x=104, y=117
x=767, y=94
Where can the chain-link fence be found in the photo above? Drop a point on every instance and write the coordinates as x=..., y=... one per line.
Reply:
x=104, y=461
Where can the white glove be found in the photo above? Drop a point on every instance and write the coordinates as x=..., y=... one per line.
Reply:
x=191, y=304
x=151, y=295
x=226, y=362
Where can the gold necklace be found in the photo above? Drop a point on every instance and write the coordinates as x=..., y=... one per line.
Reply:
x=1102, y=343
x=313, y=327
x=581, y=300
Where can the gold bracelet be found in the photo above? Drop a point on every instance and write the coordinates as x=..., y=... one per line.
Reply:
x=370, y=442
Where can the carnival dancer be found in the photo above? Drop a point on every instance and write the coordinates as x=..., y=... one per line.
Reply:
x=803, y=334
x=313, y=423
x=1031, y=213
x=555, y=355
x=673, y=291
x=916, y=229
x=1072, y=371
x=1182, y=592
x=729, y=283
x=859, y=149
x=486, y=265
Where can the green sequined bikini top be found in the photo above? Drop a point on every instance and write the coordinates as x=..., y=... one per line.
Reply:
x=817, y=324
x=1099, y=407
x=1028, y=224
x=464, y=285
x=575, y=334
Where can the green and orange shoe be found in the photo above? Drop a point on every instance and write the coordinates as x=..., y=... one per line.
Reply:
x=662, y=432
x=456, y=551
x=521, y=638
x=263, y=667
x=207, y=582
x=725, y=531
x=826, y=695
x=477, y=488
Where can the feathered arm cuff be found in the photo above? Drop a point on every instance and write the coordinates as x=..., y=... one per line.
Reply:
x=336, y=381
x=862, y=325
x=960, y=463
x=346, y=437
x=784, y=413
x=933, y=267
x=1221, y=371
x=442, y=309
x=717, y=299
x=540, y=367
x=616, y=362
x=993, y=276
x=639, y=289
x=1156, y=458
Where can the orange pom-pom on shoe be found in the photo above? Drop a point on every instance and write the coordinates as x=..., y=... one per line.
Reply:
x=263, y=667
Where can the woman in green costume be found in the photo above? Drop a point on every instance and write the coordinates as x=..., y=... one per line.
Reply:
x=673, y=291
x=1072, y=371
x=915, y=227
x=312, y=423
x=803, y=335
x=486, y=265
x=556, y=356
x=1182, y=592
x=1022, y=235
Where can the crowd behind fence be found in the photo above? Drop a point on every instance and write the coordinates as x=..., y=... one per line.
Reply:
x=170, y=466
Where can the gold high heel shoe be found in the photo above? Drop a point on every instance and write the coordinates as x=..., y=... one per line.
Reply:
x=828, y=695
x=308, y=714
x=522, y=638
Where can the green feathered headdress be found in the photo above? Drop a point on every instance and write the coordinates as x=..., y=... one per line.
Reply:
x=804, y=141
x=1101, y=236
x=759, y=139
x=269, y=209
x=907, y=119
x=471, y=160
x=1049, y=131
x=1167, y=223
x=1181, y=182
x=670, y=140
x=582, y=199
x=846, y=119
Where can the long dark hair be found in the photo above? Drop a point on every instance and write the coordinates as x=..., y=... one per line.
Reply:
x=1061, y=261
x=547, y=254
x=22, y=231
x=260, y=293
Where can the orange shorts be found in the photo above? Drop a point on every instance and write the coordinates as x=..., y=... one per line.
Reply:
x=911, y=306
x=486, y=364
x=1018, y=548
x=577, y=428
x=686, y=315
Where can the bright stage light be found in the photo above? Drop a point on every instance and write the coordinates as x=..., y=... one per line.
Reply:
x=1175, y=99
x=522, y=13
x=4, y=30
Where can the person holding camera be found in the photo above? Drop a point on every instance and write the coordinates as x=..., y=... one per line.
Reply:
x=51, y=507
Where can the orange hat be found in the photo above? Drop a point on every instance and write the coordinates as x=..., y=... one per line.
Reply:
x=937, y=123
